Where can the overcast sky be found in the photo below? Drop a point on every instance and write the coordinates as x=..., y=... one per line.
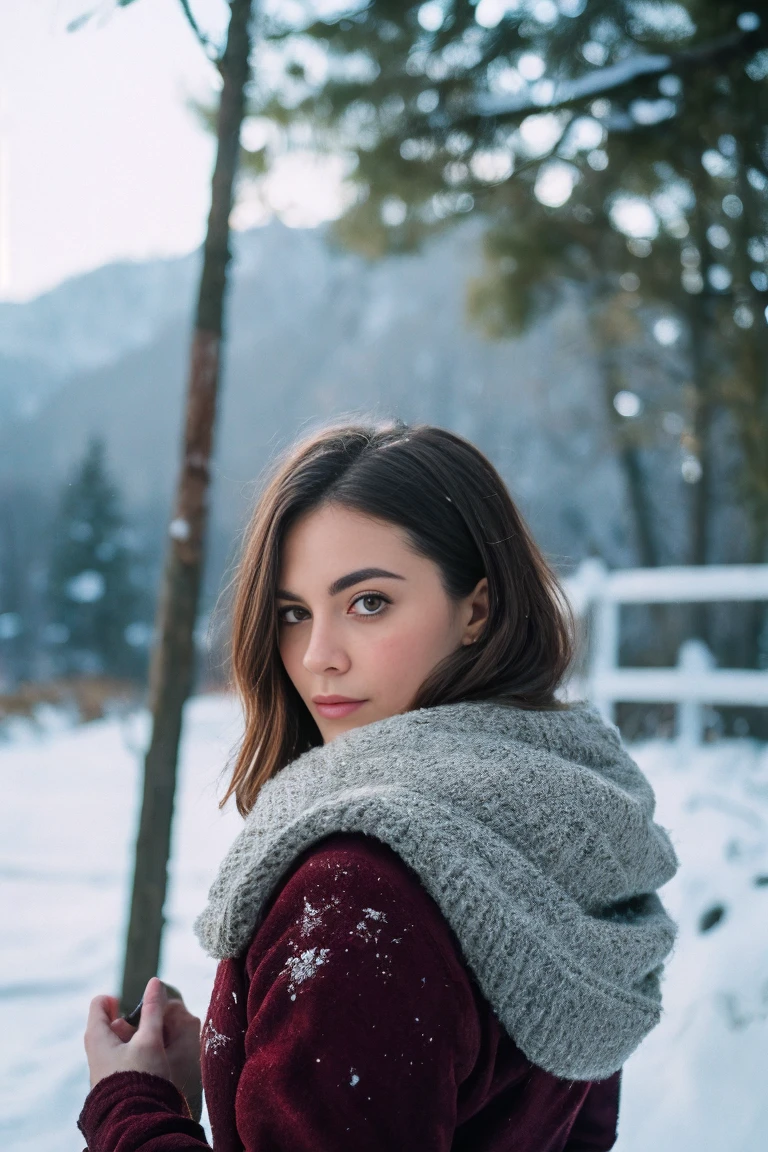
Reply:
x=103, y=159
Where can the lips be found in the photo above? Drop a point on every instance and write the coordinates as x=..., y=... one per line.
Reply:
x=336, y=707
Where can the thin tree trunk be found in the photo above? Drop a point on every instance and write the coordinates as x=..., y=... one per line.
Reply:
x=629, y=457
x=173, y=657
x=607, y=344
x=627, y=453
x=701, y=491
x=702, y=419
x=700, y=321
x=752, y=367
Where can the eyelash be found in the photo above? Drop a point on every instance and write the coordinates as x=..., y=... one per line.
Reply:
x=281, y=612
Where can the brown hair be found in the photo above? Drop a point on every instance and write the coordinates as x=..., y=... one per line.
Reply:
x=456, y=510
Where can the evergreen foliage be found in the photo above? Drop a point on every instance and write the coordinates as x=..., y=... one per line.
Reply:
x=98, y=609
x=614, y=143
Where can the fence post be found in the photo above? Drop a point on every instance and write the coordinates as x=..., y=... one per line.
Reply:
x=604, y=654
x=694, y=660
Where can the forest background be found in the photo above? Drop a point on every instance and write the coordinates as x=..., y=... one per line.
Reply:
x=551, y=236
x=541, y=224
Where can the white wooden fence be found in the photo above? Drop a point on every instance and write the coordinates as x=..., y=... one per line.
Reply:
x=596, y=594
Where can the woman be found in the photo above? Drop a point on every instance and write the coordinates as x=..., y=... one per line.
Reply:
x=438, y=928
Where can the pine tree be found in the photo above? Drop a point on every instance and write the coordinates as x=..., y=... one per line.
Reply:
x=655, y=174
x=98, y=611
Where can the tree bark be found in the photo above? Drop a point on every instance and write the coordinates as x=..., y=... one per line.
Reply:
x=627, y=451
x=629, y=457
x=748, y=396
x=701, y=491
x=700, y=322
x=173, y=659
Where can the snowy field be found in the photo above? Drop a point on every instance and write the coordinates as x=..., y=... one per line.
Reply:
x=69, y=811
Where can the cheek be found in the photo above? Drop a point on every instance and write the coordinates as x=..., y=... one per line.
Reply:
x=291, y=649
x=406, y=653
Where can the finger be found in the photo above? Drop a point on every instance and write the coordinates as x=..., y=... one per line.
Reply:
x=101, y=1011
x=113, y=1006
x=173, y=993
x=122, y=1029
x=98, y=1029
x=155, y=1002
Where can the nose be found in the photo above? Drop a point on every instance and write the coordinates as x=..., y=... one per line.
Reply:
x=324, y=652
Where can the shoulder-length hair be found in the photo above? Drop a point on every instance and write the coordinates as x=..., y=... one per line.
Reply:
x=456, y=510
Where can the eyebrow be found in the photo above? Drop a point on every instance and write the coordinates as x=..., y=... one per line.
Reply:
x=347, y=581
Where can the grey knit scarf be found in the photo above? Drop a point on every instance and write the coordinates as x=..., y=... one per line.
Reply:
x=532, y=831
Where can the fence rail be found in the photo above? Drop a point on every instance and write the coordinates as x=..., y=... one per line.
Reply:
x=597, y=595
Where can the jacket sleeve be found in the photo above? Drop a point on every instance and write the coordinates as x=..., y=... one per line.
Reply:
x=129, y=1111
x=595, y=1126
x=361, y=1025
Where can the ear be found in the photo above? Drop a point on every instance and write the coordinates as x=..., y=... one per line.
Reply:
x=477, y=607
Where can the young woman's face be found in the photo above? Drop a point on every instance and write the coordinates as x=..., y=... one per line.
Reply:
x=363, y=619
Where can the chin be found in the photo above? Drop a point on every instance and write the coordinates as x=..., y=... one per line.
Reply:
x=329, y=729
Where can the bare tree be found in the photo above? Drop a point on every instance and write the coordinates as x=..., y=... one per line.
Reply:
x=173, y=658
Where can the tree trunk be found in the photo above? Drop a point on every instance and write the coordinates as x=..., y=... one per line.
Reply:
x=631, y=465
x=627, y=452
x=173, y=658
x=702, y=419
x=750, y=399
x=700, y=322
x=701, y=490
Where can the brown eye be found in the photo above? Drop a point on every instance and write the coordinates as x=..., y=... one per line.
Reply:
x=289, y=615
x=370, y=604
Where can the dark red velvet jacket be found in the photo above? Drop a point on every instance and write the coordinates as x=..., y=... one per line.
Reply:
x=353, y=1025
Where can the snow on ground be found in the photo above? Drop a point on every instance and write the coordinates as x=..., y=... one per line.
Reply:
x=698, y=1080
x=67, y=826
x=66, y=836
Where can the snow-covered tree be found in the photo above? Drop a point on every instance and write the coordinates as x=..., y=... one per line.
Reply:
x=98, y=609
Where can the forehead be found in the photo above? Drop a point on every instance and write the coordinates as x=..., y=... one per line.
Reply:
x=333, y=536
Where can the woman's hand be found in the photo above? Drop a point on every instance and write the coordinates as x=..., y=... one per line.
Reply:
x=166, y=1042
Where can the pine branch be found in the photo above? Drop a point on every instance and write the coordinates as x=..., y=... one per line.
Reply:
x=618, y=77
x=210, y=49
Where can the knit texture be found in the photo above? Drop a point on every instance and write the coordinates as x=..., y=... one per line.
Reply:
x=532, y=830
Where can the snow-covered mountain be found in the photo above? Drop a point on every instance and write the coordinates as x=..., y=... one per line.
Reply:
x=86, y=323
x=312, y=333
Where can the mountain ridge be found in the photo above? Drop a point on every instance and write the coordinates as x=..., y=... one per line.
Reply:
x=312, y=333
